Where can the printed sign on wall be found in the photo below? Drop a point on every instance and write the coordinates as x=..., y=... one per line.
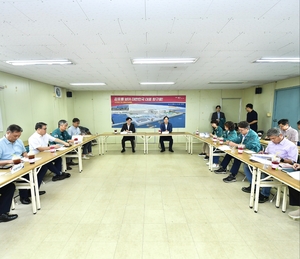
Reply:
x=148, y=111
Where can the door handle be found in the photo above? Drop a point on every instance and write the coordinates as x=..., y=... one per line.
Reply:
x=275, y=120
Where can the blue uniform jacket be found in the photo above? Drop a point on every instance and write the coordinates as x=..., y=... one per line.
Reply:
x=229, y=135
x=251, y=141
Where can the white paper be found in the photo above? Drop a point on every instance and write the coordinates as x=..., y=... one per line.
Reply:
x=295, y=175
x=249, y=152
x=123, y=132
x=263, y=156
x=263, y=161
x=165, y=132
x=61, y=148
x=25, y=159
x=285, y=165
x=224, y=147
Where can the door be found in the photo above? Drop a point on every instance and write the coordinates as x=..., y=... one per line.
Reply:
x=232, y=109
x=287, y=106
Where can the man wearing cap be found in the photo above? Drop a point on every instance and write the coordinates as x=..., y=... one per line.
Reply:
x=128, y=127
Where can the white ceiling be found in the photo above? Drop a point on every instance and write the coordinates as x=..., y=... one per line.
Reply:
x=101, y=36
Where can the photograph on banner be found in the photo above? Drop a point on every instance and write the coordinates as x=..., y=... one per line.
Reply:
x=148, y=111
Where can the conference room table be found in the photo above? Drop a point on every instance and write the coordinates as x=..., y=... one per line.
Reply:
x=257, y=170
x=104, y=136
x=145, y=136
x=278, y=175
x=42, y=158
x=7, y=176
x=187, y=135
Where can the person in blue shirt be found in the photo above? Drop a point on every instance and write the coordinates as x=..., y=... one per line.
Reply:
x=10, y=145
x=75, y=130
x=166, y=127
x=217, y=131
x=278, y=146
x=250, y=139
x=229, y=134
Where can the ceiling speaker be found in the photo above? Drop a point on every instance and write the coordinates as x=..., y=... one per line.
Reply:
x=258, y=90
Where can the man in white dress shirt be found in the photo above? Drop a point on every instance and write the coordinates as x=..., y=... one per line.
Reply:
x=39, y=142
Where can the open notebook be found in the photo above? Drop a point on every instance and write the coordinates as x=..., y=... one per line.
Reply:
x=291, y=172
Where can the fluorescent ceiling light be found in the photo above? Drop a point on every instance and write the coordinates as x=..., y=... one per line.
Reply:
x=87, y=84
x=228, y=82
x=39, y=62
x=277, y=60
x=142, y=61
x=157, y=83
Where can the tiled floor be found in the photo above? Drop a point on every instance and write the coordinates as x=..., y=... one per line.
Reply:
x=149, y=207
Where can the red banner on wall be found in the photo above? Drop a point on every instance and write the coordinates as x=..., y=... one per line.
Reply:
x=127, y=99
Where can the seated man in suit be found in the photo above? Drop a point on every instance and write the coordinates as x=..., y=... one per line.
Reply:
x=129, y=128
x=6, y=196
x=167, y=128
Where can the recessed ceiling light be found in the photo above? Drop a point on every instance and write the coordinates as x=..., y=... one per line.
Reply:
x=143, y=61
x=277, y=60
x=157, y=83
x=40, y=62
x=87, y=84
x=228, y=82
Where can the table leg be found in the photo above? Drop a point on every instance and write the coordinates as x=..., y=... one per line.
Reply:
x=79, y=154
x=257, y=187
x=36, y=186
x=99, y=149
x=284, y=199
x=211, y=154
x=254, y=173
x=32, y=187
x=64, y=163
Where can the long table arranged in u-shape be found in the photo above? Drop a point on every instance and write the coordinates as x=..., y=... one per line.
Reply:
x=145, y=136
x=7, y=177
x=258, y=168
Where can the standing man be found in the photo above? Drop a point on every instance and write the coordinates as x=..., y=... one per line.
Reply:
x=219, y=116
x=287, y=131
x=166, y=128
x=75, y=130
x=39, y=142
x=129, y=128
x=252, y=117
x=62, y=134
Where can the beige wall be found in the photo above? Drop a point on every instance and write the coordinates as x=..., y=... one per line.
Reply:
x=25, y=102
